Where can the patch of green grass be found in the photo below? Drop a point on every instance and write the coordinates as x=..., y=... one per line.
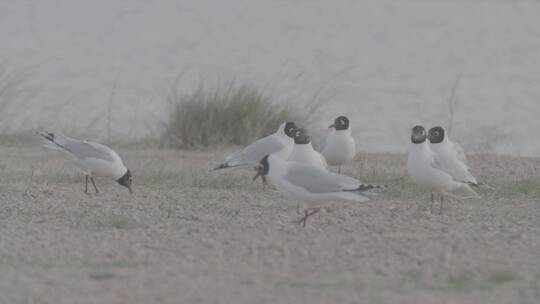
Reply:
x=466, y=281
x=196, y=178
x=410, y=278
x=116, y=221
x=503, y=276
x=319, y=284
x=457, y=283
x=100, y=276
x=529, y=187
x=223, y=115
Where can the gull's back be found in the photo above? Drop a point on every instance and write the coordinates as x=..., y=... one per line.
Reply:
x=89, y=156
x=308, y=183
x=253, y=153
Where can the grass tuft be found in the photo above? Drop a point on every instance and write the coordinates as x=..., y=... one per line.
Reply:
x=15, y=95
x=224, y=115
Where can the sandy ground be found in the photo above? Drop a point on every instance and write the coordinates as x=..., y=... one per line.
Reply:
x=191, y=236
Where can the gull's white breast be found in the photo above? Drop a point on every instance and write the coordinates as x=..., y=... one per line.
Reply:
x=339, y=147
x=305, y=153
x=421, y=170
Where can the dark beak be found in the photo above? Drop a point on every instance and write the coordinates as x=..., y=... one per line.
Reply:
x=332, y=126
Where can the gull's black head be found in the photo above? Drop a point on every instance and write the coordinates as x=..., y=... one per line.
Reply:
x=262, y=168
x=126, y=181
x=340, y=123
x=290, y=127
x=418, y=135
x=436, y=135
x=301, y=137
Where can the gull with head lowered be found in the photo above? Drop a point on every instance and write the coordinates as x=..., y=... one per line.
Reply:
x=91, y=157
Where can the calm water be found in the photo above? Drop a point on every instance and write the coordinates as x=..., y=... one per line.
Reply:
x=388, y=65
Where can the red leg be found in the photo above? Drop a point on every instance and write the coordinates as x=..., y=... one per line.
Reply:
x=264, y=182
x=94, y=183
x=86, y=185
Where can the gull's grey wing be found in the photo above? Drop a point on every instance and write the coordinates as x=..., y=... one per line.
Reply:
x=84, y=149
x=317, y=181
x=252, y=154
x=461, y=170
x=460, y=152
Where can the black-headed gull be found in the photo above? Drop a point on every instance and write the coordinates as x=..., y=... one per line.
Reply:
x=450, y=157
x=280, y=143
x=91, y=157
x=309, y=184
x=424, y=171
x=303, y=151
x=339, y=146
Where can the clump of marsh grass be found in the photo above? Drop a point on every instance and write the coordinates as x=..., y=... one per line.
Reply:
x=226, y=114
x=452, y=104
x=15, y=94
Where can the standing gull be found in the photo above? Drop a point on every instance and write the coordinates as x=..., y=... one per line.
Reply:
x=450, y=157
x=339, y=147
x=93, y=158
x=303, y=151
x=425, y=172
x=281, y=143
x=309, y=184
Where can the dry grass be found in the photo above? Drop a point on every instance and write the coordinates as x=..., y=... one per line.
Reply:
x=15, y=95
x=229, y=114
x=191, y=236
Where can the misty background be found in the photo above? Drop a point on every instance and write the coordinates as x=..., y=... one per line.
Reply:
x=110, y=64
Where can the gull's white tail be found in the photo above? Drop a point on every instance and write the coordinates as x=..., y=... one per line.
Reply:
x=482, y=185
x=466, y=188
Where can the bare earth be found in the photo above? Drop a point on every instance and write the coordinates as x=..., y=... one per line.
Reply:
x=188, y=235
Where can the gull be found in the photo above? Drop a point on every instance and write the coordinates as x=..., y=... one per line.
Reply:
x=339, y=147
x=309, y=184
x=450, y=157
x=424, y=170
x=280, y=143
x=303, y=151
x=92, y=158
